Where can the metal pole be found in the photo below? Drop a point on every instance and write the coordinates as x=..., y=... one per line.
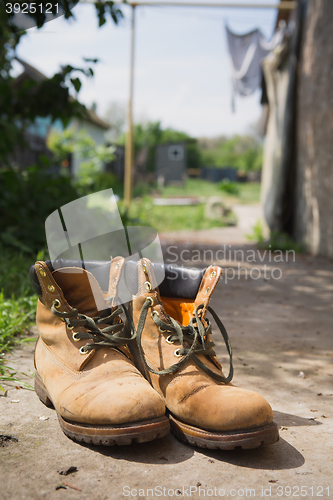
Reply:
x=129, y=149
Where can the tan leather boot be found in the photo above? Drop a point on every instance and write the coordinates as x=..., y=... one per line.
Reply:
x=83, y=365
x=176, y=355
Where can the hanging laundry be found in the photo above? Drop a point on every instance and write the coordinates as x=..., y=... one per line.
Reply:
x=246, y=53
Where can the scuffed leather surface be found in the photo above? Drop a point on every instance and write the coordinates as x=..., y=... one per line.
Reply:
x=109, y=390
x=191, y=394
x=103, y=387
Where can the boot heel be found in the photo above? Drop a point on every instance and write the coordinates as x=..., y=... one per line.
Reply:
x=41, y=392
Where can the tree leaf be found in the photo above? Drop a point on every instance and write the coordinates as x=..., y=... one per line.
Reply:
x=76, y=83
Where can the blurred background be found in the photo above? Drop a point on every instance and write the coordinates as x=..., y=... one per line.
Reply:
x=230, y=125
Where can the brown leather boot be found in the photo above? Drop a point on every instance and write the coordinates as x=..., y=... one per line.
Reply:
x=83, y=365
x=175, y=353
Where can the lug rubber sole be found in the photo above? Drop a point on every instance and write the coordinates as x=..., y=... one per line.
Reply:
x=246, y=439
x=106, y=435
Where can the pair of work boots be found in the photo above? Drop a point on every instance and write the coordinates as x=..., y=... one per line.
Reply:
x=114, y=381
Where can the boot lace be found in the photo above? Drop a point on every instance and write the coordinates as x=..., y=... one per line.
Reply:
x=193, y=340
x=109, y=336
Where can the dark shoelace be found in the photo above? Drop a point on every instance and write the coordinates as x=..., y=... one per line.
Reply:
x=109, y=336
x=187, y=336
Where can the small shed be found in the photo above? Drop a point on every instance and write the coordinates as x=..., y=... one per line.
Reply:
x=171, y=164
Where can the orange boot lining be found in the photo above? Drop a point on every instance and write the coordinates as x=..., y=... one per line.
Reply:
x=178, y=309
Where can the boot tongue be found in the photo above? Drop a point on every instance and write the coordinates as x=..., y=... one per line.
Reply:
x=207, y=287
x=81, y=290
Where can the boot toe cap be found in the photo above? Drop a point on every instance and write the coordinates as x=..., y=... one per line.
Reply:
x=112, y=404
x=226, y=408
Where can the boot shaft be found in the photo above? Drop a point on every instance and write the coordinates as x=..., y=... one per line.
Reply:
x=65, y=290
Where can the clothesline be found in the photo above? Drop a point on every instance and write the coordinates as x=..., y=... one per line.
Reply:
x=233, y=17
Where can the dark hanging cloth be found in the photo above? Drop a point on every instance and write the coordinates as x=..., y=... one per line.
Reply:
x=264, y=95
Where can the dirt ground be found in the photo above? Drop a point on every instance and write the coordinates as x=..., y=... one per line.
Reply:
x=280, y=326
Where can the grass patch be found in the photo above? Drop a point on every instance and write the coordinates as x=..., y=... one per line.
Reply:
x=248, y=192
x=192, y=187
x=171, y=218
x=17, y=308
x=16, y=314
x=190, y=217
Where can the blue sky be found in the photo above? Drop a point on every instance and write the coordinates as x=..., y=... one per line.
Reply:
x=182, y=74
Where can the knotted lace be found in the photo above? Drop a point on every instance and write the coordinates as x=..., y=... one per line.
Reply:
x=109, y=336
x=193, y=340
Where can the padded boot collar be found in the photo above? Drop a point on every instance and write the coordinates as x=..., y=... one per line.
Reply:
x=81, y=290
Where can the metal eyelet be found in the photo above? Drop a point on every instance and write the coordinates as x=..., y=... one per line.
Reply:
x=150, y=300
x=56, y=303
x=168, y=340
x=50, y=288
x=117, y=266
x=177, y=353
x=207, y=290
x=154, y=313
x=115, y=281
x=75, y=338
x=162, y=330
x=70, y=327
x=82, y=351
x=42, y=272
x=144, y=268
x=213, y=274
x=147, y=286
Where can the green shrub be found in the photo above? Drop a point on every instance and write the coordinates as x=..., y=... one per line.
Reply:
x=283, y=242
x=257, y=234
x=98, y=181
x=229, y=187
x=276, y=240
x=90, y=178
x=28, y=198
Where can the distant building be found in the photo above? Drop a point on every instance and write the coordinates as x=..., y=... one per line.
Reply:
x=37, y=132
